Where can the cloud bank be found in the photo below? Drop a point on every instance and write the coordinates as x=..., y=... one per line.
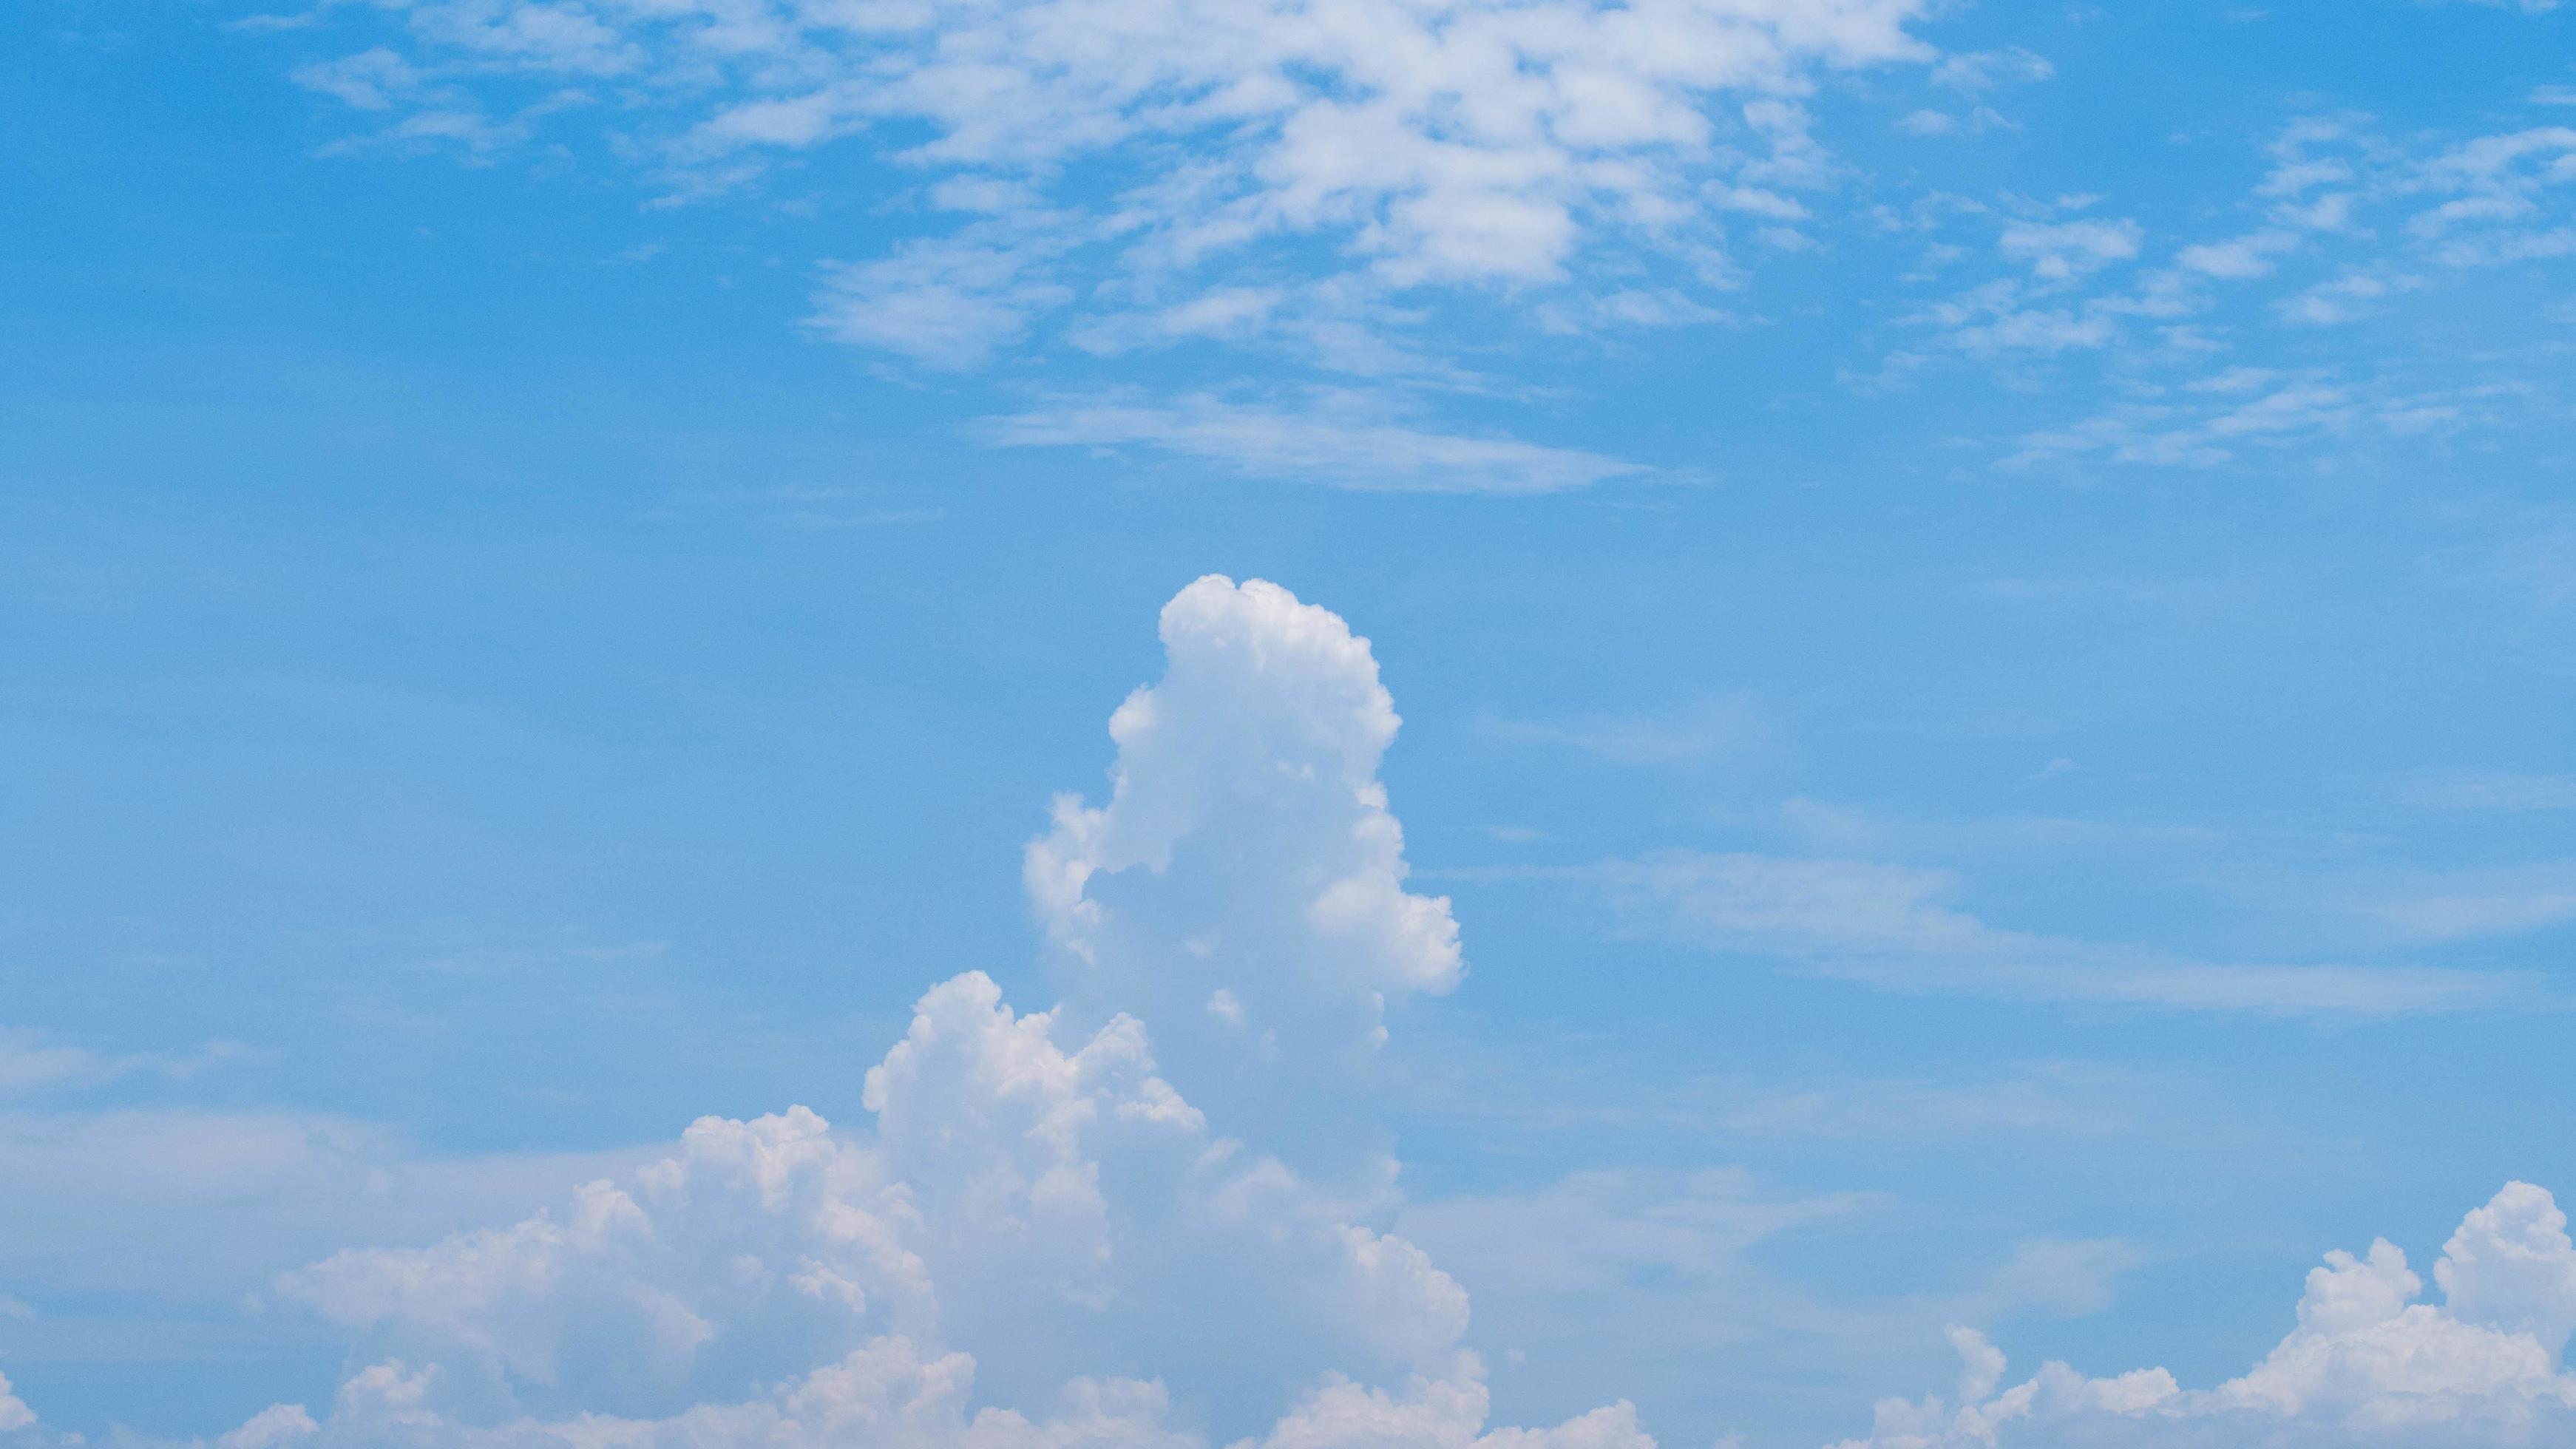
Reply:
x=2367, y=1363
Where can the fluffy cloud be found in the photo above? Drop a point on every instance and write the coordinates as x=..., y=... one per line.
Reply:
x=256, y=1188
x=1062, y=1211
x=1039, y=1240
x=1459, y=142
x=2367, y=1364
x=1243, y=888
x=1097, y=1227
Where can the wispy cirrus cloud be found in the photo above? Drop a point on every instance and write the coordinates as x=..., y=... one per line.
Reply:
x=2464, y=905
x=1703, y=730
x=32, y=1060
x=1896, y=927
x=2493, y=790
x=1335, y=438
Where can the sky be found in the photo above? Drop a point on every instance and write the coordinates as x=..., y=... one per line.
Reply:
x=1287, y=724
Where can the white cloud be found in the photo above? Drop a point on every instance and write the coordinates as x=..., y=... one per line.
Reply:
x=2352, y=293
x=1705, y=730
x=2344, y=223
x=1091, y=1229
x=1983, y=70
x=1462, y=142
x=2238, y=258
x=2461, y=905
x=1341, y=439
x=2068, y=1277
x=371, y=80
x=949, y=303
x=1036, y=1218
x=1610, y=1229
x=2509, y=1267
x=1438, y=1413
x=28, y=1060
x=271, y=1428
x=255, y=1188
x=14, y=1413
x=1246, y=847
x=2218, y=418
x=2063, y=249
x=1323, y=183
x=2501, y=191
x=2495, y=790
x=1669, y=1256
x=1771, y=902
x=1892, y=926
x=2367, y=1365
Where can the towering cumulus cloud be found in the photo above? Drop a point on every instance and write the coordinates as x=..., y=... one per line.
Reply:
x=1137, y=1221
x=1243, y=887
x=1045, y=1237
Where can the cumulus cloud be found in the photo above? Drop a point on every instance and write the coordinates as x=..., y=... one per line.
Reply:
x=1096, y=1227
x=2367, y=1363
x=256, y=1188
x=1243, y=887
x=1038, y=1239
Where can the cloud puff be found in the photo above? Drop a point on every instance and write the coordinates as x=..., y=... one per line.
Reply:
x=1038, y=1241
x=2058, y=250
x=1243, y=888
x=1064, y=1211
x=2367, y=1364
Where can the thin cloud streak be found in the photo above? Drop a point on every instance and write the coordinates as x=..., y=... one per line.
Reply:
x=1892, y=927
x=1341, y=444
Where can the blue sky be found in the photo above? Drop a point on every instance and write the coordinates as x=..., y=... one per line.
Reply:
x=1979, y=597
